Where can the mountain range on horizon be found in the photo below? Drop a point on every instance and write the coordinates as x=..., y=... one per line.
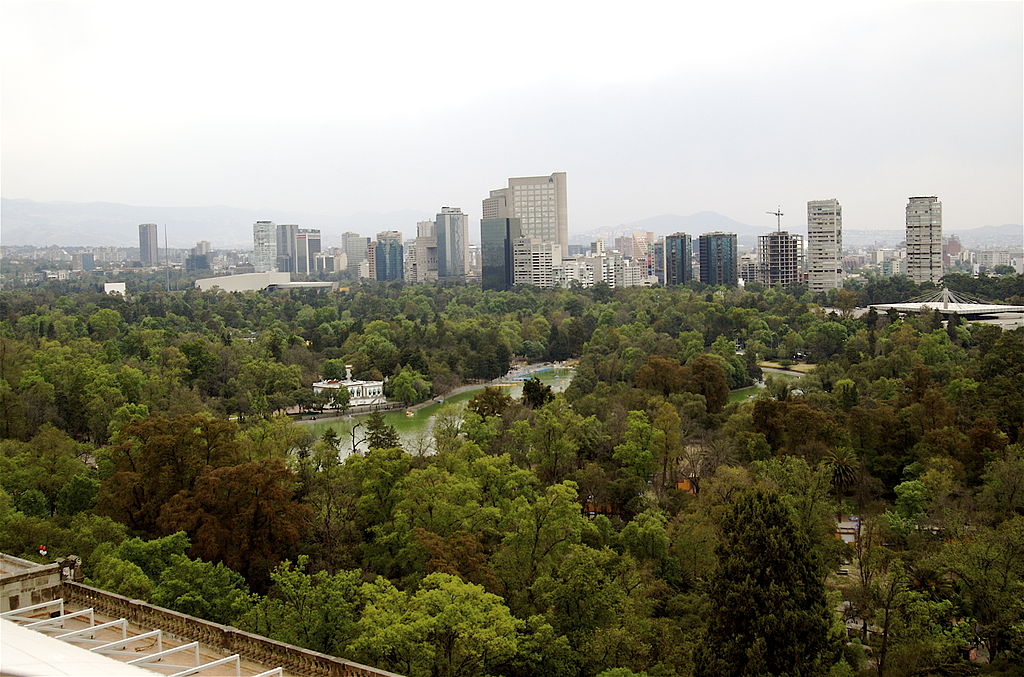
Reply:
x=30, y=222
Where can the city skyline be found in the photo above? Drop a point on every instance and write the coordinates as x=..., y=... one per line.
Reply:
x=631, y=105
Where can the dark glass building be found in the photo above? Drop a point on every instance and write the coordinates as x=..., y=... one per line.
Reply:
x=389, y=256
x=718, y=261
x=678, y=258
x=496, y=236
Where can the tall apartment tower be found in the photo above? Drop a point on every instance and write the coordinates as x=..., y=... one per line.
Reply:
x=717, y=258
x=264, y=246
x=388, y=256
x=678, y=259
x=452, y=229
x=924, y=239
x=148, y=244
x=539, y=202
x=778, y=258
x=824, y=245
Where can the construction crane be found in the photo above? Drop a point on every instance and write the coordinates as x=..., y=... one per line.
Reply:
x=778, y=218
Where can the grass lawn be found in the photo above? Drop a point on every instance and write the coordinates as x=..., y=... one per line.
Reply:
x=802, y=367
x=742, y=394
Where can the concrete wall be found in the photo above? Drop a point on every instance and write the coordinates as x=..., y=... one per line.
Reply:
x=243, y=282
x=25, y=583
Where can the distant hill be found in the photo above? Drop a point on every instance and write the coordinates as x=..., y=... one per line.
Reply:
x=27, y=222
x=1006, y=235
x=666, y=224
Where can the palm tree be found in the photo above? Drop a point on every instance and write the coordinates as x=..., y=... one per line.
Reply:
x=842, y=464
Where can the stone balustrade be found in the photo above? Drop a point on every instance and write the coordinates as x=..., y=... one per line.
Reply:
x=232, y=640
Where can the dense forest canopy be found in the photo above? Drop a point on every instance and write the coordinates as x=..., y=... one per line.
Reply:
x=646, y=521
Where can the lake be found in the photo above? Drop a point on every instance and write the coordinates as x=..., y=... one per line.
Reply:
x=415, y=431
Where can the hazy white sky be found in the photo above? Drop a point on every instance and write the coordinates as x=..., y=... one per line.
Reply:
x=666, y=107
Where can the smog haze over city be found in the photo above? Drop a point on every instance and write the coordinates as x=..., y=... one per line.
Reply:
x=342, y=108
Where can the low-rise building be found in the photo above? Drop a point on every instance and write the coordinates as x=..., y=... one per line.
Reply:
x=360, y=393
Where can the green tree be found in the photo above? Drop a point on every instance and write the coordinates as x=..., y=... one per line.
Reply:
x=447, y=628
x=410, y=386
x=314, y=610
x=637, y=449
x=203, y=589
x=536, y=393
x=769, y=613
x=380, y=434
x=538, y=533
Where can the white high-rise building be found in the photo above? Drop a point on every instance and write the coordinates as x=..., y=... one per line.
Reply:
x=539, y=202
x=264, y=246
x=924, y=239
x=534, y=262
x=824, y=245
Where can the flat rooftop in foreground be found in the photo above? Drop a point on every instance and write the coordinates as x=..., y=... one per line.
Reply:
x=27, y=653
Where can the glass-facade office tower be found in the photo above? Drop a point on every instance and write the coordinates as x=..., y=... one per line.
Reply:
x=924, y=239
x=496, y=238
x=296, y=248
x=148, y=244
x=678, y=258
x=452, y=230
x=717, y=257
x=388, y=256
x=824, y=245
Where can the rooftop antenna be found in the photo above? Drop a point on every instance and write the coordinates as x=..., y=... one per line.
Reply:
x=778, y=218
x=167, y=260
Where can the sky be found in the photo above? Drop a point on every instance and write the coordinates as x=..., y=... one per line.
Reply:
x=336, y=108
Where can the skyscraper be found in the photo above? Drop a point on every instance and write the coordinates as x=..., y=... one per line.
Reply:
x=296, y=248
x=717, y=258
x=355, y=247
x=388, y=256
x=148, y=244
x=678, y=258
x=778, y=258
x=824, y=245
x=264, y=246
x=452, y=229
x=307, y=246
x=421, y=254
x=539, y=202
x=924, y=239
x=496, y=237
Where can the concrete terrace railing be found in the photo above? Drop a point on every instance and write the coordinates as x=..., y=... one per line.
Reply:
x=232, y=640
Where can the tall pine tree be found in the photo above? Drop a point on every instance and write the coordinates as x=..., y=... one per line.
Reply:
x=769, y=614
